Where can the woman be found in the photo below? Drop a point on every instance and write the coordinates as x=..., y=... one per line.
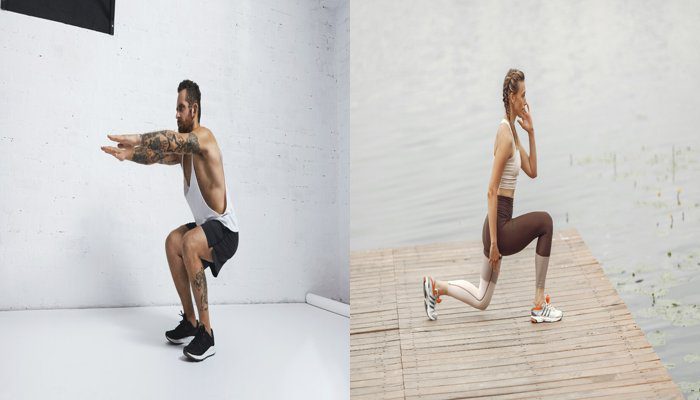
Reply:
x=502, y=234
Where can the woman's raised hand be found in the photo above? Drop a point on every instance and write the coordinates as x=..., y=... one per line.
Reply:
x=525, y=120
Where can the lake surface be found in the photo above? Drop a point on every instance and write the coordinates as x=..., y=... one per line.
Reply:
x=614, y=90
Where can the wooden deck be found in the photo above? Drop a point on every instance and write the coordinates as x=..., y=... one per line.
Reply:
x=597, y=350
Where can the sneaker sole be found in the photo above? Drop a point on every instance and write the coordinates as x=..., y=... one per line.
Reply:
x=184, y=340
x=210, y=352
x=538, y=320
x=425, y=300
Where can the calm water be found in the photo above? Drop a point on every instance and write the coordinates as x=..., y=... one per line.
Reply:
x=614, y=89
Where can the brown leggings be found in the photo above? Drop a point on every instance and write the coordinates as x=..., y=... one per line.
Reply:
x=513, y=234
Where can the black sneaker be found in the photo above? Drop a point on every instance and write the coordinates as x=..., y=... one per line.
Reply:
x=183, y=333
x=202, y=346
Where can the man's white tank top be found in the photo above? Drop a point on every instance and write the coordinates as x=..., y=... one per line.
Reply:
x=201, y=211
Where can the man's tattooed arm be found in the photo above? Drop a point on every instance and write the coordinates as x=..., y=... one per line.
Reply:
x=143, y=155
x=146, y=156
x=171, y=159
x=171, y=142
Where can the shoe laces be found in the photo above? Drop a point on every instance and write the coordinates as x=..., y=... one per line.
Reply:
x=200, y=332
x=436, y=293
x=184, y=320
x=201, y=335
x=547, y=304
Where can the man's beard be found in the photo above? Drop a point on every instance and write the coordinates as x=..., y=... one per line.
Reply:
x=185, y=128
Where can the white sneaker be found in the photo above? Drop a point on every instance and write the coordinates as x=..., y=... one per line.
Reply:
x=431, y=297
x=546, y=313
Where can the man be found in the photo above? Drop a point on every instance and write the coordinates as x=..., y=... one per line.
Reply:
x=209, y=241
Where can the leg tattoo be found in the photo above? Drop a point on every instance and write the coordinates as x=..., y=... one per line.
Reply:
x=200, y=282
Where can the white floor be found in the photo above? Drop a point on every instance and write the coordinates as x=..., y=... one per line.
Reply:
x=263, y=351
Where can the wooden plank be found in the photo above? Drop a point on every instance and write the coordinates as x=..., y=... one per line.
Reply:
x=375, y=349
x=597, y=350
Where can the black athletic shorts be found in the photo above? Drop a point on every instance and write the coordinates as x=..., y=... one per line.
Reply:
x=222, y=240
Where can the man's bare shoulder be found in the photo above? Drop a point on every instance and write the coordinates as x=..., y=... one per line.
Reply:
x=203, y=132
x=207, y=141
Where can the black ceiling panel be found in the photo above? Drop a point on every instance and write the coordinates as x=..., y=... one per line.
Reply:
x=97, y=15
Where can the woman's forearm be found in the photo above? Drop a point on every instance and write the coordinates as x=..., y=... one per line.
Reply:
x=533, y=153
x=493, y=210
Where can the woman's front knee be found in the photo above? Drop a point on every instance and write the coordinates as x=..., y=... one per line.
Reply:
x=547, y=221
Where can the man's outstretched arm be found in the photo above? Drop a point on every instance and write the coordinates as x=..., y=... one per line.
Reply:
x=163, y=141
x=171, y=142
x=165, y=147
x=143, y=155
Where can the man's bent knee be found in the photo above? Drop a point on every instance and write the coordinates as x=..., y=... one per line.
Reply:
x=191, y=246
x=173, y=242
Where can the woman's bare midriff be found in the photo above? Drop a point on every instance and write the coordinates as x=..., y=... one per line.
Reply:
x=506, y=192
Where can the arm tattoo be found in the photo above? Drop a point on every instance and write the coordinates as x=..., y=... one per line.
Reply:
x=171, y=159
x=143, y=155
x=171, y=142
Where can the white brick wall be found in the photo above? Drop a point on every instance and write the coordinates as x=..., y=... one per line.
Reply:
x=342, y=74
x=80, y=229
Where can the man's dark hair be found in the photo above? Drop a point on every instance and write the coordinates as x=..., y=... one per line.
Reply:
x=193, y=95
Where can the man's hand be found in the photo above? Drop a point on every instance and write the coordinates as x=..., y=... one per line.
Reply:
x=125, y=146
x=126, y=140
x=123, y=153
